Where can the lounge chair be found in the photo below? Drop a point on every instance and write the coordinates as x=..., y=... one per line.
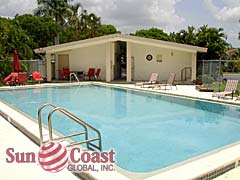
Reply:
x=66, y=72
x=36, y=76
x=170, y=82
x=11, y=79
x=153, y=80
x=90, y=73
x=97, y=74
x=61, y=74
x=22, y=78
x=230, y=88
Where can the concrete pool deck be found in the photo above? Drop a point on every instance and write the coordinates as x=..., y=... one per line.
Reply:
x=231, y=175
x=183, y=90
x=10, y=137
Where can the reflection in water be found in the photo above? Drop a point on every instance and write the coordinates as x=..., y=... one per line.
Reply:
x=37, y=90
x=120, y=103
x=202, y=105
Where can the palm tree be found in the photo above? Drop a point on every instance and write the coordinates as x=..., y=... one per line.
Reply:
x=88, y=25
x=214, y=39
x=55, y=8
x=184, y=36
x=93, y=25
x=74, y=18
x=202, y=36
x=191, y=36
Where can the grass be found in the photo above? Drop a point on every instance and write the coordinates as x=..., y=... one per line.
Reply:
x=231, y=72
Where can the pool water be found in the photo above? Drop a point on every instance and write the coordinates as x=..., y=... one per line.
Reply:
x=148, y=131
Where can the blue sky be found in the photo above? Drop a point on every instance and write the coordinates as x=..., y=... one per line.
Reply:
x=169, y=15
x=215, y=13
x=196, y=14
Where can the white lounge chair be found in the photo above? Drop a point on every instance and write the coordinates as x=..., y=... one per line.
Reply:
x=230, y=88
x=153, y=80
x=169, y=83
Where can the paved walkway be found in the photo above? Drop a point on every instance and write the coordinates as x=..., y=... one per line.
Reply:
x=231, y=175
x=10, y=137
x=185, y=90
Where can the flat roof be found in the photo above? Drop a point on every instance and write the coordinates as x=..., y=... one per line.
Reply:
x=120, y=37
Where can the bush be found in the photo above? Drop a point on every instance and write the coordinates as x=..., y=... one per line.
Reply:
x=6, y=68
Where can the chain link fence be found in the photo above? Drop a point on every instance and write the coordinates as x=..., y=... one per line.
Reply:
x=214, y=73
x=29, y=66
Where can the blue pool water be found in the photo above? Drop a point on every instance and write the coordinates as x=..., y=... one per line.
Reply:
x=147, y=131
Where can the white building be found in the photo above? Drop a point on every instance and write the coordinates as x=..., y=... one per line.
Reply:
x=123, y=57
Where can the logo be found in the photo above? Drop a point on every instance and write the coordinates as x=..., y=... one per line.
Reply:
x=53, y=157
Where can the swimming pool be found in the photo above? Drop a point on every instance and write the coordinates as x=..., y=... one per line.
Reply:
x=148, y=131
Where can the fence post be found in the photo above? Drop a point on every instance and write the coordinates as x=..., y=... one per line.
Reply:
x=202, y=69
x=219, y=75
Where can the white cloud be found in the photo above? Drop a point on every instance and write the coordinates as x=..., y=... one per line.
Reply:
x=129, y=15
x=232, y=36
x=227, y=16
x=12, y=7
x=229, y=12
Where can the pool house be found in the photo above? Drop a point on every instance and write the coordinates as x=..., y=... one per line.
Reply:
x=123, y=57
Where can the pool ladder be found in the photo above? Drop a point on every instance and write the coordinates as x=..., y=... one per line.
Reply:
x=75, y=76
x=86, y=126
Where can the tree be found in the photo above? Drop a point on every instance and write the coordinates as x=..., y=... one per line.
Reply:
x=75, y=25
x=153, y=33
x=106, y=29
x=57, y=9
x=90, y=25
x=214, y=39
x=80, y=24
x=14, y=37
x=74, y=19
x=184, y=36
x=42, y=30
x=233, y=54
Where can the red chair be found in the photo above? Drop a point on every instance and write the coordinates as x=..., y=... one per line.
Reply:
x=66, y=72
x=36, y=76
x=61, y=74
x=11, y=79
x=90, y=73
x=22, y=78
x=97, y=74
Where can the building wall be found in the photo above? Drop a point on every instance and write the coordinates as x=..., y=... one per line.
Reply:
x=63, y=61
x=89, y=57
x=172, y=61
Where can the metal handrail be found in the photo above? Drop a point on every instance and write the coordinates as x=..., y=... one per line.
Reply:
x=82, y=142
x=76, y=119
x=74, y=76
x=79, y=121
x=40, y=120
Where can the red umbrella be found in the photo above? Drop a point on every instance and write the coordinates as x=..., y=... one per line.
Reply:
x=16, y=64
